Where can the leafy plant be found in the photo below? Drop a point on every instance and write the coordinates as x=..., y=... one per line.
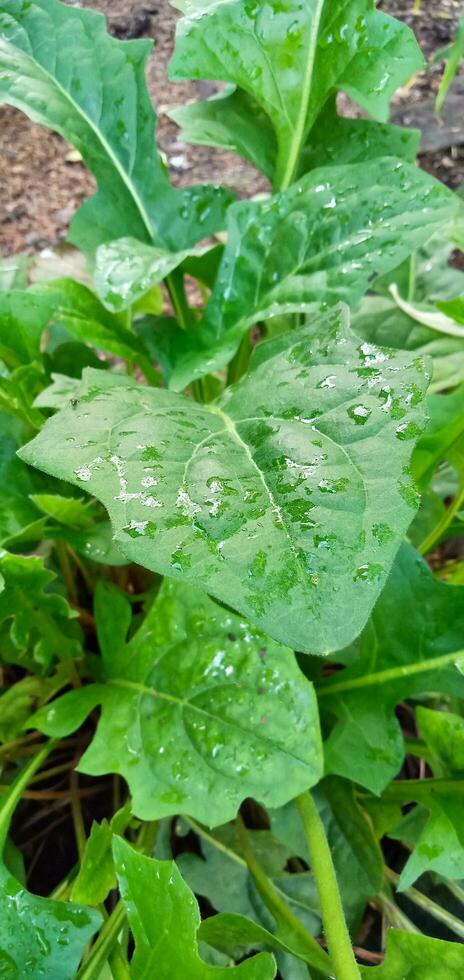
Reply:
x=230, y=595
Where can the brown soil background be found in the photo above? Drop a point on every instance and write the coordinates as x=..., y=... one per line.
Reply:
x=42, y=184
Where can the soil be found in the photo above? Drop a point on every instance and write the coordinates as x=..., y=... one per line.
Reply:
x=43, y=183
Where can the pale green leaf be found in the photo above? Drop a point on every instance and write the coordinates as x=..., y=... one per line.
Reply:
x=248, y=497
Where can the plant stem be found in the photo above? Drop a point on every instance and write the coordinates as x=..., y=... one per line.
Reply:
x=428, y=905
x=101, y=949
x=15, y=791
x=78, y=820
x=392, y=674
x=314, y=954
x=406, y=790
x=333, y=918
x=175, y=287
x=438, y=531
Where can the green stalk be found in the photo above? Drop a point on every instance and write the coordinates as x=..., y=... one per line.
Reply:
x=391, y=674
x=14, y=793
x=407, y=790
x=315, y=955
x=333, y=918
x=428, y=905
x=103, y=946
x=432, y=539
x=175, y=287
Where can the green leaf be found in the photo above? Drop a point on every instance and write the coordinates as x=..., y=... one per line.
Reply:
x=454, y=55
x=319, y=242
x=338, y=139
x=127, y=269
x=153, y=891
x=17, y=512
x=434, y=829
x=443, y=733
x=443, y=435
x=23, y=318
x=425, y=655
x=414, y=957
x=248, y=496
x=71, y=511
x=289, y=57
x=378, y=320
x=233, y=121
x=40, y=623
x=75, y=306
x=233, y=717
x=233, y=934
x=60, y=67
x=96, y=877
x=19, y=700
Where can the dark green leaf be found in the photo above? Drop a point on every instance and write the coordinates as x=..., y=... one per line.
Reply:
x=424, y=655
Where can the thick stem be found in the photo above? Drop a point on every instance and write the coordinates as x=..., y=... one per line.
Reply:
x=279, y=908
x=333, y=918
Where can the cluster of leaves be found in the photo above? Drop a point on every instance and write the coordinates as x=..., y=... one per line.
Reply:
x=216, y=505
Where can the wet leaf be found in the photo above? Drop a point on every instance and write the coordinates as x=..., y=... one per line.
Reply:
x=248, y=496
x=289, y=57
x=154, y=891
x=60, y=67
x=425, y=655
x=23, y=317
x=199, y=711
x=321, y=241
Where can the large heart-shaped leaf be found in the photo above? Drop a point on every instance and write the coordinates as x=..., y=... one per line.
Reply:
x=289, y=56
x=366, y=743
x=199, y=711
x=153, y=892
x=60, y=67
x=321, y=241
x=276, y=498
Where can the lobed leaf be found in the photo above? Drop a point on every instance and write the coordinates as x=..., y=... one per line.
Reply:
x=200, y=710
x=154, y=892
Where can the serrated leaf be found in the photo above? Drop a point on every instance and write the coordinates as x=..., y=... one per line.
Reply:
x=60, y=67
x=248, y=496
x=410, y=955
x=434, y=829
x=153, y=891
x=289, y=57
x=320, y=241
x=366, y=743
x=233, y=717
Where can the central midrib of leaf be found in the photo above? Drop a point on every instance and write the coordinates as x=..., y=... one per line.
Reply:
x=99, y=136
x=232, y=429
x=296, y=143
x=185, y=703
